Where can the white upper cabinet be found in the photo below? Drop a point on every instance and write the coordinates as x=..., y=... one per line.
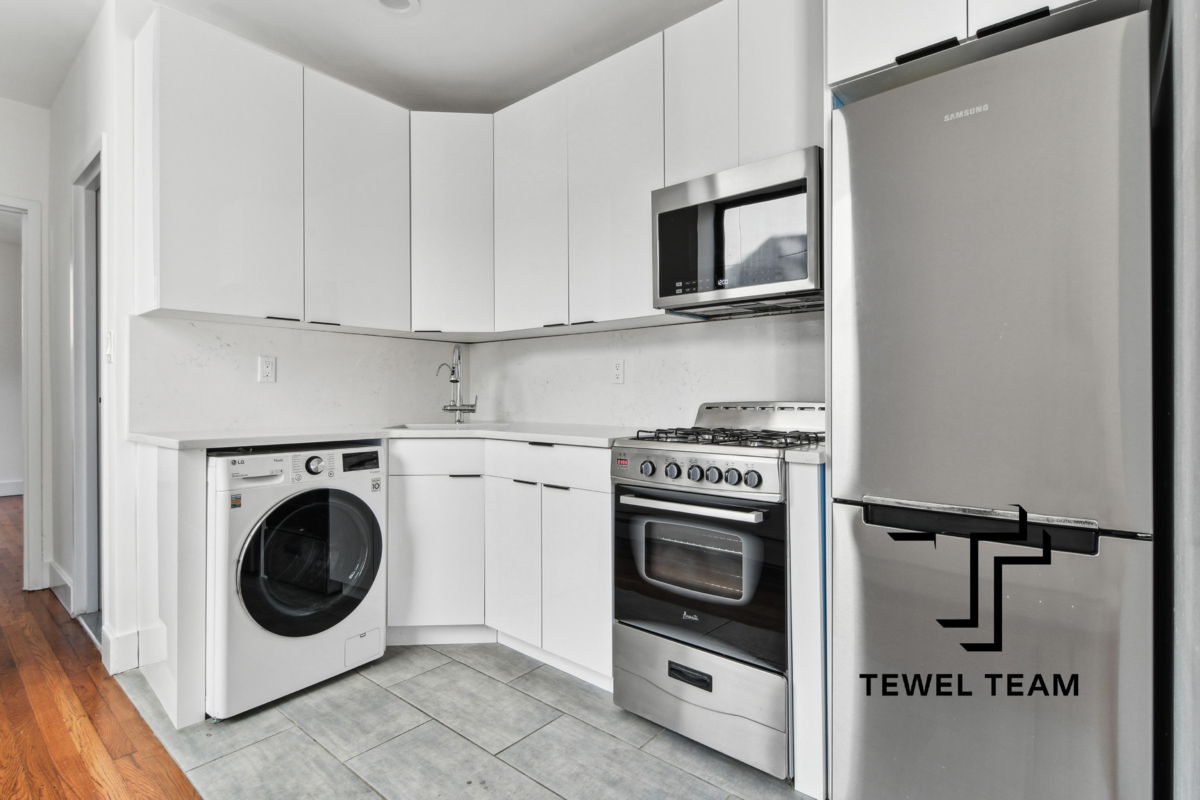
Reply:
x=869, y=34
x=531, y=211
x=982, y=13
x=615, y=142
x=355, y=207
x=700, y=93
x=219, y=167
x=452, y=266
x=781, y=92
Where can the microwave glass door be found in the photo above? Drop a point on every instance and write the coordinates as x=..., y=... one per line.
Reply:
x=716, y=584
x=751, y=241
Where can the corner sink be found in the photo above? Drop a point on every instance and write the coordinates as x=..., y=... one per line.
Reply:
x=449, y=426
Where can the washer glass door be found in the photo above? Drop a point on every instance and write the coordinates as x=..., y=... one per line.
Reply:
x=310, y=562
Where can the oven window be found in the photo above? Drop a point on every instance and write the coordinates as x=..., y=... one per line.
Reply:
x=694, y=558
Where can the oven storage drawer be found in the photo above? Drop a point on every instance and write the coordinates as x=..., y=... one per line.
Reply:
x=731, y=707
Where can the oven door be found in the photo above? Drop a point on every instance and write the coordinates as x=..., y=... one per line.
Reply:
x=706, y=571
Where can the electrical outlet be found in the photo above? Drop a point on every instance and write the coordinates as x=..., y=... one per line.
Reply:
x=618, y=373
x=266, y=369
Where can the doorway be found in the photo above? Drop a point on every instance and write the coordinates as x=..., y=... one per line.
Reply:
x=12, y=444
x=88, y=399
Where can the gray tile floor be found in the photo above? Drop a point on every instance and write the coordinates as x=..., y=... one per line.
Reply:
x=452, y=721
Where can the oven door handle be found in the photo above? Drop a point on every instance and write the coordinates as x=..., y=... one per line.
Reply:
x=702, y=511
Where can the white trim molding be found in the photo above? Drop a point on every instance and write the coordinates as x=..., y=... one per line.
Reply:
x=37, y=572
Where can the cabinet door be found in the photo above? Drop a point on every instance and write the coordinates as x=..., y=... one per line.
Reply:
x=577, y=576
x=869, y=34
x=435, y=551
x=514, y=558
x=531, y=211
x=615, y=138
x=452, y=276
x=228, y=121
x=355, y=207
x=981, y=13
x=700, y=93
x=780, y=77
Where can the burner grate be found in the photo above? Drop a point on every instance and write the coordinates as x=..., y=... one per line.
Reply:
x=735, y=437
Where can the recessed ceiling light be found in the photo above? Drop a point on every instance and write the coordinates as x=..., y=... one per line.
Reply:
x=403, y=8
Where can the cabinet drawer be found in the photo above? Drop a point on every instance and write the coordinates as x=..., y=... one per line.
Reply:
x=562, y=465
x=435, y=457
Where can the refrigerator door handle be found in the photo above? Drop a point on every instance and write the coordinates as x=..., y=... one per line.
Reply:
x=971, y=511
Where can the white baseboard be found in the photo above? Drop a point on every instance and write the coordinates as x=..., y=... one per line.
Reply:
x=10, y=488
x=60, y=584
x=605, y=682
x=441, y=634
x=119, y=652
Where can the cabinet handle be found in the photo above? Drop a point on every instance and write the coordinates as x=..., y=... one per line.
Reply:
x=937, y=47
x=541, y=444
x=316, y=322
x=527, y=483
x=1013, y=22
x=554, y=325
x=285, y=319
x=466, y=476
x=552, y=486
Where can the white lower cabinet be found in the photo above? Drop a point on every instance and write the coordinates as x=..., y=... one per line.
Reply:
x=577, y=577
x=436, y=554
x=514, y=558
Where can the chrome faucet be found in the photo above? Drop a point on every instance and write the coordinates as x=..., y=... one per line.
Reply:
x=456, y=404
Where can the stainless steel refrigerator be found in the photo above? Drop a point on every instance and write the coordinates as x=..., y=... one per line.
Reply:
x=991, y=410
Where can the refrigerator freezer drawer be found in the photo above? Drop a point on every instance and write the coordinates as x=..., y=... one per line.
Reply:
x=1063, y=710
x=731, y=707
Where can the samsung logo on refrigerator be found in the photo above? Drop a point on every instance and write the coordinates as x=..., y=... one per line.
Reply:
x=966, y=112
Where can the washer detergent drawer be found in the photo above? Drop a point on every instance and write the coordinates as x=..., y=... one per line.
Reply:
x=731, y=707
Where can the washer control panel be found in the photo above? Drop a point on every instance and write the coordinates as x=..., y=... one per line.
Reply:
x=314, y=466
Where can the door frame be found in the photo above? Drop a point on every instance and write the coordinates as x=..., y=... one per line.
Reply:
x=36, y=570
x=87, y=267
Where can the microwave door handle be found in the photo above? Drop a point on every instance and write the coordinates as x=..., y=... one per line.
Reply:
x=702, y=511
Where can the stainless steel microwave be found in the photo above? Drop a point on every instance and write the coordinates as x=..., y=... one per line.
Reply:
x=741, y=242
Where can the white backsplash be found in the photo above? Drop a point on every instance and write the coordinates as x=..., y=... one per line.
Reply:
x=189, y=375
x=669, y=371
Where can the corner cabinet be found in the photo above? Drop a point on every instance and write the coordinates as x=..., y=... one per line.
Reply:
x=615, y=147
x=452, y=268
x=531, y=211
x=218, y=172
x=356, y=216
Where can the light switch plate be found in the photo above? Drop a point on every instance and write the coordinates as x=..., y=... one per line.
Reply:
x=266, y=369
x=618, y=374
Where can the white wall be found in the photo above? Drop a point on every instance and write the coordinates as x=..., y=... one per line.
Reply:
x=12, y=448
x=669, y=371
x=189, y=375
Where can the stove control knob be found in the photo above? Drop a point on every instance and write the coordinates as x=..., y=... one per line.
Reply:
x=753, y=479
x=733, y=477
x=673, y=470
x=314, y=465
x=713, y=475
x=695, y=473
x=647, y=468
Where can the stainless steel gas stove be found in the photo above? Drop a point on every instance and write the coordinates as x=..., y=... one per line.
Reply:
x=700, y=563
x=734, y=449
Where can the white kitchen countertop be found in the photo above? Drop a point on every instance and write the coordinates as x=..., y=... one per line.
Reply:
x=553, y=433
x=798, y=456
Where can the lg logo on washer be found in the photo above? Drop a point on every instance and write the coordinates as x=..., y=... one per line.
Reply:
x=955, y=684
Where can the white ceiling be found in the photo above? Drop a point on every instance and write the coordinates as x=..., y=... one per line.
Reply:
x=10, y=227
x=39, y=40
x=454, y=55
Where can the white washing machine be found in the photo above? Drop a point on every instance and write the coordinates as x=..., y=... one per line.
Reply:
x=297, y=569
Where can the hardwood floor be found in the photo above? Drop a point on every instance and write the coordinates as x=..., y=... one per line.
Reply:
x=67, y=730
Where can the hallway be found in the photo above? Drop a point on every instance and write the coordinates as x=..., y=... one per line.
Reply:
x=67, y=730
